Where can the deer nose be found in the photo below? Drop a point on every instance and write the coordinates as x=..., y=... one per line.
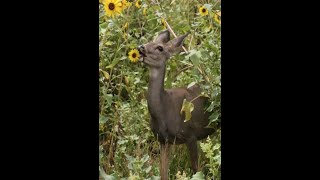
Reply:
x=142, y=50
x=141, y=47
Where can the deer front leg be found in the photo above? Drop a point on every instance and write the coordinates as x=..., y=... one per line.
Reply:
x=164, y=161
x=193, y=152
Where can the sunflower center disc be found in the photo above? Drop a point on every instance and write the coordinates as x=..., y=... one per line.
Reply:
x=111, y=6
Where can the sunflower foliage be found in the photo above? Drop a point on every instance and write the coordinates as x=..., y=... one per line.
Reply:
x=128, y=148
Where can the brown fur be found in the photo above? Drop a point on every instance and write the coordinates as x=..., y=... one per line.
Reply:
x=164, y=106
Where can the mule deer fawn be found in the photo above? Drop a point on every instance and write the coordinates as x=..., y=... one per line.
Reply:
x=164, y=105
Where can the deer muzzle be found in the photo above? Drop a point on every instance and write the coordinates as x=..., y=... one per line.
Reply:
x=142, y=52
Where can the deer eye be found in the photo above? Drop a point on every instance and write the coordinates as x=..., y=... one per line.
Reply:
x=160, y=48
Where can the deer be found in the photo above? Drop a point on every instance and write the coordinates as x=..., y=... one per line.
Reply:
x=164, y=105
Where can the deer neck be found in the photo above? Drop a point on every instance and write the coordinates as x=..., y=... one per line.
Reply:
x=156, y=90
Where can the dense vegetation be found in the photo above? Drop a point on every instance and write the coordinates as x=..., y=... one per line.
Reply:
x=128, y=148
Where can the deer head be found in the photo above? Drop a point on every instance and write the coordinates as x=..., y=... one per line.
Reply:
x=155, y=54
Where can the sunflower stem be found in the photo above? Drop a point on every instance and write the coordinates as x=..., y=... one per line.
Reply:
x=170, y=29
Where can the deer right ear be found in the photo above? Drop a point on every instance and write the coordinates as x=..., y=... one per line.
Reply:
x=163, y=37
x=175, y=44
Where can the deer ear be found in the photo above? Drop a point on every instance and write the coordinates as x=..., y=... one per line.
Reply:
x=175, y=44
x=163, y=37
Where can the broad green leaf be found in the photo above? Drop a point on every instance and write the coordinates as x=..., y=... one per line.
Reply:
x=130, y=158
x=100, y=152
x=187, y=107
x=109, y=99
x=145, y=158
x=213, y=117
x=122, y=141
x=123, y=57
x=114, y=62
x=110, y=25
x=209, y=109
x=191, y=84
x=102, y=119
x=155, y=178
x=216, y=146
x=105, y=74
x=148, y=169
x=208, y=6
x=108, y=43
x=194, y=56
x=104, y=175
x=207, y=29
x=198, y=176
x=103, y=26
x=103, y=30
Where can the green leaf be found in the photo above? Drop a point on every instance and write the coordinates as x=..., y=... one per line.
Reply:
x=194, y=57
x=105, y=74
x=103, y=26
x=100, y=152
x=209, y=109
x=208, y=6
x=207, y=29
x=216, y=146
x=122, y=141
x=191, y=84
x=104, y=175
x=102, y=119
x=213, y=117
x=123, y=57
x=145, y=158
x=198, y=176
x=130, y=158
x=148, y=169
x=187, y=107
x=110, y=25
x=108, y=43
x=114, y=62
x=109, y=99
x=155, y=178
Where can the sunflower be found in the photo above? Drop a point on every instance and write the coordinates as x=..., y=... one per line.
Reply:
x=163, y=22
x=112, y=7
x=217, y=17
x=125, y=4
x=134, y=55
x=145, y=11
x=125, y=26
x=203, y=11
x=125, y=35
x=138, y=4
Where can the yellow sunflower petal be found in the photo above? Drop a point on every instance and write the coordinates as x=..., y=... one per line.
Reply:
x=138, y=3
x=203, y=11
x=145, y=11
x=112, y=7
x=134, y=55
x=217, y=17
x=163, y=23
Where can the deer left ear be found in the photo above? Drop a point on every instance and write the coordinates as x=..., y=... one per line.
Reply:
x=163, y=37
x=176, y=44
